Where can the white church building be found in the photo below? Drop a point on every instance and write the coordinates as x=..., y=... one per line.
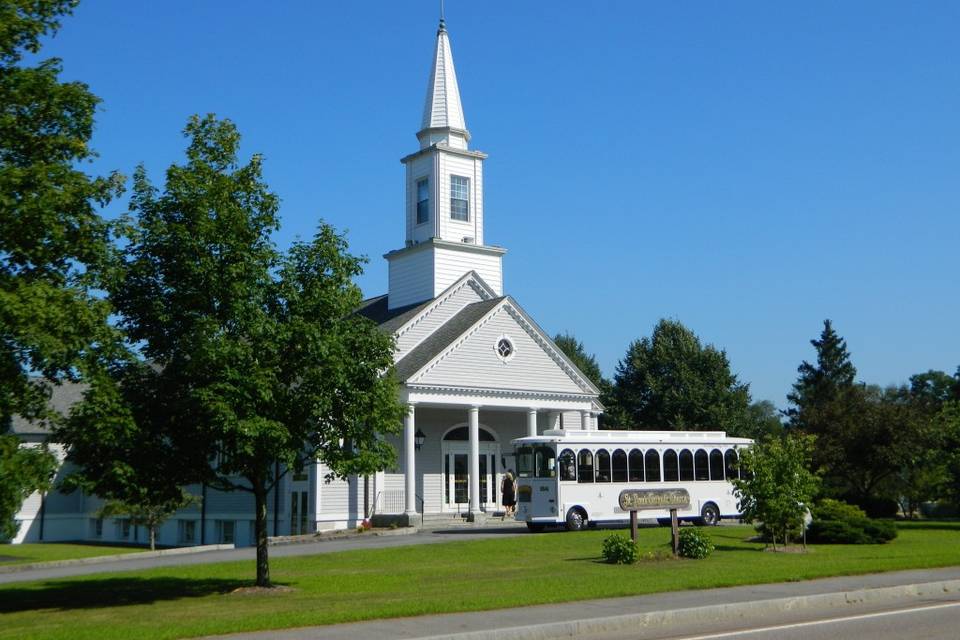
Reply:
x=475, y=371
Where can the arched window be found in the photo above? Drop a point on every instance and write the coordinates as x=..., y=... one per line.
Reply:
x=546, y=463
x=731, y=461
x=619, y=465
x=652, y=460
x=568, y=465
x=716, y=465
x=701, y=465
x=603, y=466
x=585, y=466
x=686, y=465
x=636, y=465
x=463, y=433
x=670, y=467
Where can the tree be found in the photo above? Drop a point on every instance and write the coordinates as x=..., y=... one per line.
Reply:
x=776, y=486
x=587, y=363
x=51, y=236
x=822, y=383
x=255, y=357
x=763, y=421
x=671, y=381
x=23, y=470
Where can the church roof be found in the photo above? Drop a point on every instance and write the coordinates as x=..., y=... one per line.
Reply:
x=62, y=397
x=443, y=337
x=389, y=320
x=443, y=108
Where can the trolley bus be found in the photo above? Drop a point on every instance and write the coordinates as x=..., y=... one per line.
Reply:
x=574, y=478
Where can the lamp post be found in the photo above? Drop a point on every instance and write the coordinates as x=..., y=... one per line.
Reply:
x=418, y=439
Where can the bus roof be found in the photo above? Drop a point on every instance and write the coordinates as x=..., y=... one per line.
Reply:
x=578, y=436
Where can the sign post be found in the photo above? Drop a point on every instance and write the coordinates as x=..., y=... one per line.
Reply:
x=634, y=500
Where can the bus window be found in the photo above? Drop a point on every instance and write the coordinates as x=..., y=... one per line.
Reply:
x=716, y=465
x=568, y=465
x=603, y=466
x=525, y=462
x=731, y=460
x=652, y=460
x=585, y=466
x=619, y=465
x=670, y=473
x=701, y=465
x=546, y=463
x=686, y=465
x=636, y=465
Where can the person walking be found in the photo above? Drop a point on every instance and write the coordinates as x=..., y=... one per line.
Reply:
x=508, y=493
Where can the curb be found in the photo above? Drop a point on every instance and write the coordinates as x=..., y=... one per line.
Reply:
x=53, y=564
x=712, y=613
x=283, y=541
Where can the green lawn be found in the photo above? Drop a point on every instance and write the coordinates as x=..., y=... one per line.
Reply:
x=46, y=552
x=415, y=580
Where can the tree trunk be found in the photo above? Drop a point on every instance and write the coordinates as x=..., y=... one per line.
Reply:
x=153, y=536
x=263, y=561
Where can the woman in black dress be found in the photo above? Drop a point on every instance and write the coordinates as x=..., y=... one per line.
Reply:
x=508, y=493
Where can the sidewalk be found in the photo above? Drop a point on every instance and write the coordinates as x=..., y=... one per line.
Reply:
x=650, y=613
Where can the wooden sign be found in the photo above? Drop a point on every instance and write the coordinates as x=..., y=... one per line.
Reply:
x=640, y=499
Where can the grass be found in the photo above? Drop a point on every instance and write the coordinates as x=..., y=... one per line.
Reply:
x=47, y=552
x=408, y=581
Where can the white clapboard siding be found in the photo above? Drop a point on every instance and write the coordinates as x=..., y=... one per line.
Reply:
x=451, y=264
x=474, y=362
x=434, y=317
x=411, y=278
x=468, y=167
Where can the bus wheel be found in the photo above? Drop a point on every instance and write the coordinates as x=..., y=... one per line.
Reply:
x=534, y=527
x=576, y=520
x=710, y=515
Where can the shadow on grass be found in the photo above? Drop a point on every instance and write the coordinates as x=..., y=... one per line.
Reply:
x=928, y=525
x=111, y=592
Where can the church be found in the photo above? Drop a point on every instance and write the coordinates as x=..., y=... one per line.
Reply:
x=475, y=372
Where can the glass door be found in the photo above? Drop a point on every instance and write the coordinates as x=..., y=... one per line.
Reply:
x=456, y=480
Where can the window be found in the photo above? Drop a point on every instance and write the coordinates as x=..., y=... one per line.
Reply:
x=545, y=462
x=187, y=531
x=585, y=466
x=686, y=466
x=731, y=461
x=96, y=527
x=525, y=462
x=636, y=465
x=423, y=201
x=504, y=348
x=670, y=466
x=225, y=531
x=122, y=528
x=619, y=465
x=603, y=466
x=701, y=466
x=568, y=465
x=652, y=463
x=460, y=198
x=716, y=465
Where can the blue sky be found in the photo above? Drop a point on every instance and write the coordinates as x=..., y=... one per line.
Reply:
x=749, y=168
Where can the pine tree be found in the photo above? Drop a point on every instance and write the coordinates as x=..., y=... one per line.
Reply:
x=823, y=383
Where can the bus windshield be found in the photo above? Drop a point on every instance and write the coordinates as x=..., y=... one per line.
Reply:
x=539, y=461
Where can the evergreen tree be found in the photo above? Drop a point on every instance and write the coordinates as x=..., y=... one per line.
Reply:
x=821, y=383
x=671, y=381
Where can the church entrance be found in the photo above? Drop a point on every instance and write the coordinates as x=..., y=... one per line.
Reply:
x=456, y=471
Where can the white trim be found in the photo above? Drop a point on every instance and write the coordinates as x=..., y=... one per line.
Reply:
x=503, y=337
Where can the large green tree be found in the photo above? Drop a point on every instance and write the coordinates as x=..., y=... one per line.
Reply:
x=822, y=383
x=251, y=357
x=672, y=381
x=51, y=236
x=587, y=363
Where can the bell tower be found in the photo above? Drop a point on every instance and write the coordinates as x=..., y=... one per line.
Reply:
x=444, y=197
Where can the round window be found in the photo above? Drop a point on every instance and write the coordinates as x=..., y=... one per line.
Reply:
x=504, y=348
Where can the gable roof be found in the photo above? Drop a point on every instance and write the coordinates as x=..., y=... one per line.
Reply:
x=389, y=320
x=62, y=397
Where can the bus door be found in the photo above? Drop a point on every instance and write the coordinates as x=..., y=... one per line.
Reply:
x=537, y=482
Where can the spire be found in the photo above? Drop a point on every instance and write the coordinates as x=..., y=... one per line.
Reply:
x=442, y=113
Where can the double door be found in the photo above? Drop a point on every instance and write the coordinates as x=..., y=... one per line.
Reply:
x=456, y=478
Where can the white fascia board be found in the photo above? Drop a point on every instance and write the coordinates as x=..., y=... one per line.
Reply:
x=492, y=398
x=485, y=291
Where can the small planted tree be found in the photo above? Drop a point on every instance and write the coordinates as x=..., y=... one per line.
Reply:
x=776, y=485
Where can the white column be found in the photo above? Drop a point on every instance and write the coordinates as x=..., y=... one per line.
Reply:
x=531, y=422
x=410, y=465
x=585, y=420
x=474, y=460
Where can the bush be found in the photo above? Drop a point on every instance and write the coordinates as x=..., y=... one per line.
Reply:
x=695, y=543
x=836, y=522
x=618, y=549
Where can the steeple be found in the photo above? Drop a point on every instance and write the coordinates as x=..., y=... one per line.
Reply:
x=443, y=119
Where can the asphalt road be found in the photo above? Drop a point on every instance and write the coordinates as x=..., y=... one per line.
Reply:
x=924, y=619
x=279, y=551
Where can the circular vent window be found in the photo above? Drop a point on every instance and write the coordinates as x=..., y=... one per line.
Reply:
x=504, y=348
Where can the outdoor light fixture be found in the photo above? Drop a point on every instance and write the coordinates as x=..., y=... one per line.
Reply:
x=418, y=439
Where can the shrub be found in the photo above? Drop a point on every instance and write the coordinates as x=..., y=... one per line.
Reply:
x=695, y=543
x=618, y=549
x=836, y=522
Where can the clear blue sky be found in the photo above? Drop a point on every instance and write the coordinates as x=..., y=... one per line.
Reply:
x=749, y=168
